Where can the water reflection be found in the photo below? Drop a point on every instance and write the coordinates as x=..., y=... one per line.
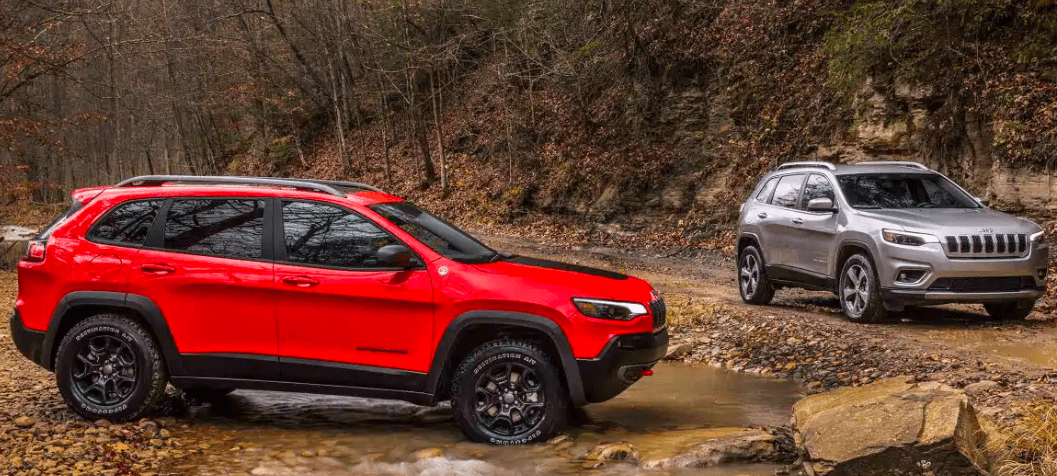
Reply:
x=282, y=434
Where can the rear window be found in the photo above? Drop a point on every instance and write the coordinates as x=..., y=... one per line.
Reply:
x=765, y=193
x=127, y=224
x=227, y=228
x=787, y=193
x=44, y=235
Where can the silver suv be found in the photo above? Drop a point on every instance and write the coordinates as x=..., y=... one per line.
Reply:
x=884, y=235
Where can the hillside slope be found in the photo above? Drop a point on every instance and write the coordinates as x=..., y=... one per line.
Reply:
x=665, y=120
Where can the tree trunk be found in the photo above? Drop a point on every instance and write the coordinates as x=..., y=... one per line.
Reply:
x=435, y=94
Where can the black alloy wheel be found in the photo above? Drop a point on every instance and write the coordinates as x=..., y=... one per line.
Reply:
x=507, y=392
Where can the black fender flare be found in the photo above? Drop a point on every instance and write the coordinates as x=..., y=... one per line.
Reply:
x=571, y=370
x=141, y=305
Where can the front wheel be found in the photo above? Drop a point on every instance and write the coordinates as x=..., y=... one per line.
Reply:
x=1009, y=311
x=108, y=366
x=858, y=290
x=508, y=392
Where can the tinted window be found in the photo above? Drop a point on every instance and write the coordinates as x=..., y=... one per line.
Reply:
x=903, y=191
x=327, y=235
x=765, y=192
x=787, y=192
x=818, y=186
x=128, y=223
x=439, y=235
x=229, y=228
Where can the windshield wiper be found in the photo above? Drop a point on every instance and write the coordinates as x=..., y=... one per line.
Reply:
x=500, y=256
x=869, y=207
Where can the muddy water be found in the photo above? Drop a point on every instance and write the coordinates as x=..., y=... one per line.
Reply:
x=285, y=434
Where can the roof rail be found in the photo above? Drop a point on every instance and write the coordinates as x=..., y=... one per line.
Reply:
x=151, y=180
x=898, y=163
x=343, y=184
x=790, y=165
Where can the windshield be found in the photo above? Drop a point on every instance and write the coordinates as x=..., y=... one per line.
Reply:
x=439, y=235
x=903, y=191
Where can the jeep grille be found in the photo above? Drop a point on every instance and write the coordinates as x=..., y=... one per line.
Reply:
x=659, y=310
x=995, y=246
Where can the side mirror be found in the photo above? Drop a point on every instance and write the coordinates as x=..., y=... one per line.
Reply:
x=397, y=256
x=821, y=205
x=982, y=201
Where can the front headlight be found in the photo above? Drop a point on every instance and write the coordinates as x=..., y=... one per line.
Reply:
x=603, y=309
x=1039, y=238
x=907, y=238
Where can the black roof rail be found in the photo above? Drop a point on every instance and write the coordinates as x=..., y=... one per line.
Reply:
x=153, y=180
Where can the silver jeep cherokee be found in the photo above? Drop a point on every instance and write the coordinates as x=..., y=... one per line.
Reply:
x=883, y=235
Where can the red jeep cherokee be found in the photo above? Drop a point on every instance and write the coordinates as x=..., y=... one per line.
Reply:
x=219, y=283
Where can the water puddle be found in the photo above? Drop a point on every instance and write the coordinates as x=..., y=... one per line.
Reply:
x=267, y=433
x=1018, y=345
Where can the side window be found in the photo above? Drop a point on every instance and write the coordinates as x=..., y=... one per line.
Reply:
x=765, y=192
x=128, y=223
x=787, y=193
x=327, y=235
x=818, y=186
x=228, y=228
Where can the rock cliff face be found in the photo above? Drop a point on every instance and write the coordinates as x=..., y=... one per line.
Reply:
x=893, y=427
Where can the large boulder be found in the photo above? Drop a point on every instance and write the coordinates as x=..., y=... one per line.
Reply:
x=891, y=427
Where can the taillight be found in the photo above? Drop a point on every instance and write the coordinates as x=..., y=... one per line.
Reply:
x=35, y=251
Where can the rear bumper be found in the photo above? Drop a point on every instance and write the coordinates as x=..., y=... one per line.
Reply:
x=29, y=342
x=620, y=364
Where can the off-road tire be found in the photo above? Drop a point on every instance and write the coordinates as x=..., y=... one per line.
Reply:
x=197, y=396
x=860, y=298
x=1009, y=311
x=753, y=284
x=135, y=344
x=471, y=400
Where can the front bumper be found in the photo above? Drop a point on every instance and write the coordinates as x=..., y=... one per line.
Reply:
x=29, y=342
x=984, y=280
x=620, y=364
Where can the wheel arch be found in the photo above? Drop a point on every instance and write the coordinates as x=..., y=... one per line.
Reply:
x=471, y=329
x=745, y=240
x=79, y=305
x=847, y=249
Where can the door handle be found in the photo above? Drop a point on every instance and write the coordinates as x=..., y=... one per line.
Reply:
x=798, y=221
x=762, y=215
x=157, y=268
x=300, y=281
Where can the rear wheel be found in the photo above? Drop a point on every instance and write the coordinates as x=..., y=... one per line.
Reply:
x=508, y=392
x=753, y=284
x=108, y=366
x=860, y=296
x=1009, y=311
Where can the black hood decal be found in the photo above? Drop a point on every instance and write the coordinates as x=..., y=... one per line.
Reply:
x=542, y=263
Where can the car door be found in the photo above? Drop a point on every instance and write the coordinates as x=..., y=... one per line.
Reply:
x=343, y=318
x=815, y=231
x=780, y=247
x=207, y=266
x=114, y=241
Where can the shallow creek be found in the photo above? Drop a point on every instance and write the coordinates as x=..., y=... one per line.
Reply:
x=287, y=434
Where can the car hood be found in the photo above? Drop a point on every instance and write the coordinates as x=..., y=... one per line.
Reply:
x=581, y=281
x=953, y=220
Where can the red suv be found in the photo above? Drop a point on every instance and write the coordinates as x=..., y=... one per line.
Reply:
x=219, y=283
